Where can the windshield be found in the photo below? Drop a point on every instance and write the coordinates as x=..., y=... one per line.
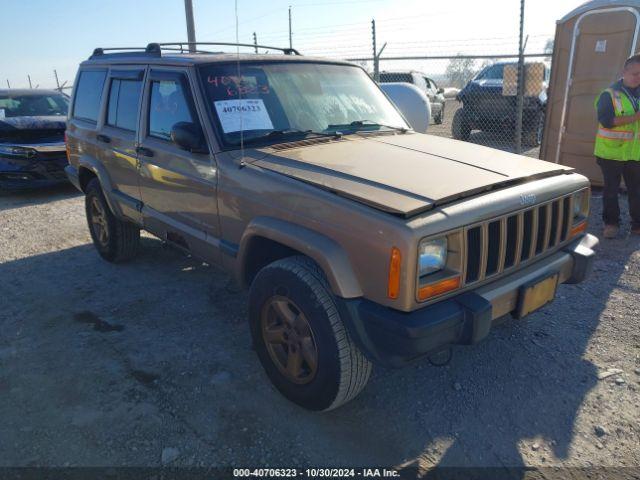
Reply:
x=494, y=72
x=33, y=105
x=301, y=98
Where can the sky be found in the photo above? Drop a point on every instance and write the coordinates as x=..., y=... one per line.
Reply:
x=40, y=36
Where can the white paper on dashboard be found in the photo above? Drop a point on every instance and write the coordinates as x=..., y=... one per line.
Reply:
x=1, y=112
x=243, y=114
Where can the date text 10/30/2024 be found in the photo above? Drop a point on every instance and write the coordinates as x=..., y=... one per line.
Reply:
x=314, y=473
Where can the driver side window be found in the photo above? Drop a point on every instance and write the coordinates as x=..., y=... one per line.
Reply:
x=167, y=106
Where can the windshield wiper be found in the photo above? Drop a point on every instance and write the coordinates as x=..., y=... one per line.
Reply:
x=356, y=124
x=290, y=132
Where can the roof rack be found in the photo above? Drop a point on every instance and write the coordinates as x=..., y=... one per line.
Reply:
x=155, y=49
x=184, y=46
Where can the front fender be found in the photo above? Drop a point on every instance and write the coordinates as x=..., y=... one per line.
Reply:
x=327, y=253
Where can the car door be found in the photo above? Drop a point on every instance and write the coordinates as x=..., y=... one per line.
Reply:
x=118, y=135
x=432, y=93
x=178, y=187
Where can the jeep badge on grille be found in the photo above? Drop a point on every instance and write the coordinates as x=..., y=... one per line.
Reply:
x=529, y=199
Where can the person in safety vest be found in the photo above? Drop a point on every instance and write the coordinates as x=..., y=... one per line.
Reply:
x=617, y=147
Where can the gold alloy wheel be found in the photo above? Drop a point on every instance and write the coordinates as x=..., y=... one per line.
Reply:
x=99, y=221
x=289, y=340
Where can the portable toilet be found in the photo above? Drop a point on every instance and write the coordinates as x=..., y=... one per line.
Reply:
x=591, y=45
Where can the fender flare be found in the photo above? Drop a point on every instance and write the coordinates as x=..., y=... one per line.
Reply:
x=328, y=254
x=93, y=165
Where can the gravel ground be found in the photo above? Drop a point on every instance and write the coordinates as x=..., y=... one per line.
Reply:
x=149, y=363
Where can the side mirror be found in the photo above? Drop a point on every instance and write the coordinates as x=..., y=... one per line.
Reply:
x=188, y=136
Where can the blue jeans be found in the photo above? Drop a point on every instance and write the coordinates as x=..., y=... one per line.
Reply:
x=613, y=171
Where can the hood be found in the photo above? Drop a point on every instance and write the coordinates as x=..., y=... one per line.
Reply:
x=486, y=86
x=29, y=130
x=404, y=174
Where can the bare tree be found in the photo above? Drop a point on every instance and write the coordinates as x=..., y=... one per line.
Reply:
x=548, y=47
x=460, y=71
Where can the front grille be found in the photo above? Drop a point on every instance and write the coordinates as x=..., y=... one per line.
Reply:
x=502, y=243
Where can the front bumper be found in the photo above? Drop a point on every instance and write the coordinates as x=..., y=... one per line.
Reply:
x=24, y=173
x=394, y=338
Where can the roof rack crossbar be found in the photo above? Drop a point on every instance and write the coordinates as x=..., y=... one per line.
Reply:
x=185, y=46
x=151, y=49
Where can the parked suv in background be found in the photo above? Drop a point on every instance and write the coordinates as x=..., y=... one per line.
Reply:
x=424, y=83
x=486, y=108
x=360, y=241
x=32, y=125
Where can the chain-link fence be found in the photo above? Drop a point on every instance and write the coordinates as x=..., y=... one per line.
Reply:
x=476, y=98
x=472, y=82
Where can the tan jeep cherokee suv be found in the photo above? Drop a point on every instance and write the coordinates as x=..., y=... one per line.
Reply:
x=360, y=241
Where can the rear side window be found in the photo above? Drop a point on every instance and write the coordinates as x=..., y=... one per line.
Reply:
x=168, y=106
x=420, y=82
x=124, y=97
x=88, y=94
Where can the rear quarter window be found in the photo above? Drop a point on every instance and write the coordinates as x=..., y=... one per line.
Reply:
x=86, y=105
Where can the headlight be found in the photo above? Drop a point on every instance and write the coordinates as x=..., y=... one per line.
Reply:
x=12, y=151
x=577, y=203
x=580, y=205
x=432, y=256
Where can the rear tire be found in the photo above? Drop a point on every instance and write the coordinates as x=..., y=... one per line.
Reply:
x=533, y=136
x=295, y=323
x=460, y=128
x=440, y=117
x=116, y=240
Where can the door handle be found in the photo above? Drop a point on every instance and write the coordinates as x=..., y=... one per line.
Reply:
x=103, y=138
x=147, y=152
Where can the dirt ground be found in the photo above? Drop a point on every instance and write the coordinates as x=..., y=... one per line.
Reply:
x=150, y=363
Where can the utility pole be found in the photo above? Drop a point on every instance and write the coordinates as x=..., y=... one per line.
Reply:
x=191, y=30
x=290, y=38
x=376, y=73
x=255, y=42
x=57, y=81
x=520, y=91
x=29, y=77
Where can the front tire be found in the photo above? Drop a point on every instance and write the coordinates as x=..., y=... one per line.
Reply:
x=532, y=137
x=116, y=240
x=300, y=337
x=460, y=128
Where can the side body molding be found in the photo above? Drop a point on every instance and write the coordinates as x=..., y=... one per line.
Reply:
x=328, y=254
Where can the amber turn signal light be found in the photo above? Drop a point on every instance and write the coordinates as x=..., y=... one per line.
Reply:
x=394, y=273
x=439, y=288
x=579, y=228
